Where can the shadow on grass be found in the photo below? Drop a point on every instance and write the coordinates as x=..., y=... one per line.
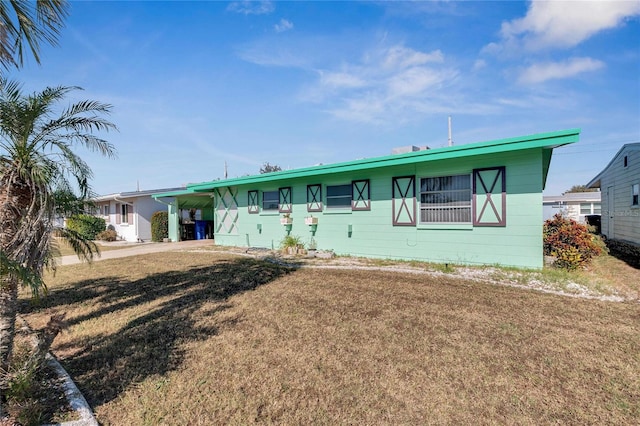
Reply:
x=625, y=251
x=150, y=343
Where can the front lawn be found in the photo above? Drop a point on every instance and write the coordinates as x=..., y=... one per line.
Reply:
x=211, y=338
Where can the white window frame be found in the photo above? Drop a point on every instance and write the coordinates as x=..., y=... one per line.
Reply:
x=635, y=195
x=446, y=208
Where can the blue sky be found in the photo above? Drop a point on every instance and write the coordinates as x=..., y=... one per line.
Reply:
x=195, y=84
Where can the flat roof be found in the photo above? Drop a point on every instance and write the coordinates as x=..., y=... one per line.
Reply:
x=133, y=194
x=573, y=196
x=547, y=141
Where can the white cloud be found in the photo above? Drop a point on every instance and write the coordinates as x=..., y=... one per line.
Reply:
x=283, y=25
x=561, y=24
x=538, y=73
x=340, y=79
x=402, y=57
x=479, y=64
x=389, y=84
x=251, y=7
x=416, y=81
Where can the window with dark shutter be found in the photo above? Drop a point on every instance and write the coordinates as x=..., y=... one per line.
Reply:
x=490, y=197
x=253, y=205
x=361, y=199
x=285, y=204
x=403, y=201
x=314, y=198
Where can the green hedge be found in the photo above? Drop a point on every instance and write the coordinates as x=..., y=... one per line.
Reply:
x=86, y=225
x=159, y=226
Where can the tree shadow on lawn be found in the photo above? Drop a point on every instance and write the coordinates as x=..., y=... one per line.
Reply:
x=150, y=343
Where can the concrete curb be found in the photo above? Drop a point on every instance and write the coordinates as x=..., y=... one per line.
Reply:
x=76, y=400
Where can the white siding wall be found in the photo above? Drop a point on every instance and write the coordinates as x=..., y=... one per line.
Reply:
x=125, y=229
x=144, y=209
x=625, y=217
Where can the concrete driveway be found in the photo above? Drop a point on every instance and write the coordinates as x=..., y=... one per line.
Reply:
x=132, y=249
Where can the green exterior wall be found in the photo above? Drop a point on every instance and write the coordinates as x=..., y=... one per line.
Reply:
x=508, y=233
x=372, y=234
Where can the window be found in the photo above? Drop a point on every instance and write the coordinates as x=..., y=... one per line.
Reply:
x=270, y=200
x=626, y=162
x=339, y=196
x=105, y=210
x=635, y=192
x=590, y=208
x=445, y=199
x=585, y=208
x=124, y=213
x=597, y=208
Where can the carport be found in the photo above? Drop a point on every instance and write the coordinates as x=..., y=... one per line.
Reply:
x=191, y=214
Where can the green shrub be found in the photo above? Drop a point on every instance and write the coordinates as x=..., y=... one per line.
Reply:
x=570, y=242
x=292, y=241
x=107, y=235
x=159, y=226
x=86, y=225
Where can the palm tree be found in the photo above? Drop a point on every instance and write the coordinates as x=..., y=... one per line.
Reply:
x=28, y=22
x=37, y=160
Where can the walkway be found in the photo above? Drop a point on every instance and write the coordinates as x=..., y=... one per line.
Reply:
x=134, y=249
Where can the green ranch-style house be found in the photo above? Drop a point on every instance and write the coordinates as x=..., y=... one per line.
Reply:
x=478, y=203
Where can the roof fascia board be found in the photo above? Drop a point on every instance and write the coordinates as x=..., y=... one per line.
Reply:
x=172, y=193
x=595, y=182
x=543, y=140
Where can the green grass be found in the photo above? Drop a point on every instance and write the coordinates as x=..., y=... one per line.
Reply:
x=210, y=338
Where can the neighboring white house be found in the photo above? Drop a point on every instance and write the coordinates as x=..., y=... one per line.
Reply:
x=619, y=185
x=129, y=213
x=574, y=205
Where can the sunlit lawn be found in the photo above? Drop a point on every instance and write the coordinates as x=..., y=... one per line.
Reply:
x=209, y=338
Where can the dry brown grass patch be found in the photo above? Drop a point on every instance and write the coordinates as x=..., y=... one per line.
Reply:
x=204, y=338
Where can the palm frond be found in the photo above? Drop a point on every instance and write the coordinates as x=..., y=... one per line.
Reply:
x=29, y=23
x=83, y=248
x=27, y=276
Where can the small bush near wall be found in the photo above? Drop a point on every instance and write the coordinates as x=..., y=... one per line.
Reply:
x=159, y=226
x=570, y=243
x=627, y=252
x=108, y=235
x=86, y=225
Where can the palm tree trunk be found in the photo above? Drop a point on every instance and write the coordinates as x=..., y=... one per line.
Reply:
x=14, y=196
x=8, y=311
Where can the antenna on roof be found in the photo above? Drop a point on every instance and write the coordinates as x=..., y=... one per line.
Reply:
x=450, y=139
x=225, y=169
